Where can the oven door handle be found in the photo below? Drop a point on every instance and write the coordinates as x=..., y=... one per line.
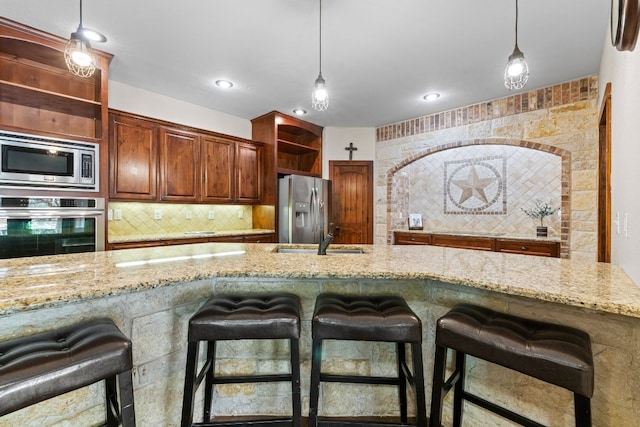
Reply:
x=52, y=214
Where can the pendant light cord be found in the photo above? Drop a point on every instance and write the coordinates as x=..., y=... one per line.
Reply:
x=516, y=22
x=80, y=26
x=320, y=26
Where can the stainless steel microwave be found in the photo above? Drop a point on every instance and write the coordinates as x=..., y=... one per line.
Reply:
x=48, y=163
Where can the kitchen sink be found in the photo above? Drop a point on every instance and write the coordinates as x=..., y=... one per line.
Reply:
x=283, y=250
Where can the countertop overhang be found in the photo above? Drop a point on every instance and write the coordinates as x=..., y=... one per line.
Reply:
x=38, y=282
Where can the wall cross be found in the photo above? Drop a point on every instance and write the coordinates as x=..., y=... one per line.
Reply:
x=351, y=149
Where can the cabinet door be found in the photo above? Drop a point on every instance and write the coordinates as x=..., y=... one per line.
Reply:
x=249, y=172
x=133, y=158
x=218, y=169
x=179, y=165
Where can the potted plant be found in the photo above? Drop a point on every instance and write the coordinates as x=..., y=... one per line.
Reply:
x=539, y=211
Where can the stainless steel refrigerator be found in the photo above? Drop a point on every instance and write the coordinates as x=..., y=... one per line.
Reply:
x=304, y=205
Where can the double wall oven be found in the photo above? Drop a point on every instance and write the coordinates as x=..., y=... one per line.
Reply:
x=31, y=226
x=56, y=222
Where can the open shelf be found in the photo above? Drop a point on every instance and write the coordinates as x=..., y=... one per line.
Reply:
x=294, y=148
x=15, y=93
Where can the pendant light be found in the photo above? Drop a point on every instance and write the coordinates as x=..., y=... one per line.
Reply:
x=320, y=97
x=78, y=53
x=516, y=72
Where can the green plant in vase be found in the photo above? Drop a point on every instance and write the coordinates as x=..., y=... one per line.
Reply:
x=539, y=211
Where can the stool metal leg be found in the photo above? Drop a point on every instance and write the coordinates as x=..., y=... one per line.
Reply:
x=111, y=401
x=418, y=378
x=438, y=385
x=582, y=408
x=208, y=382
x=402, y=380
x=458, y=391
x=294, y=349
x=190, y=383
x=127, y=408
x=314, y=393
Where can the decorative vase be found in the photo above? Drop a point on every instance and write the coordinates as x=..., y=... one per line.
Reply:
x=541, y=231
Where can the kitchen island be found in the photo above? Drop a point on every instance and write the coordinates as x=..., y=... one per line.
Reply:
x=151, y=293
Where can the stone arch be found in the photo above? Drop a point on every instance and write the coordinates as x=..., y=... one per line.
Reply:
x=565, y=161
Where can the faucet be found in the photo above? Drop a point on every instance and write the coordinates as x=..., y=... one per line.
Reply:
x=325, y=241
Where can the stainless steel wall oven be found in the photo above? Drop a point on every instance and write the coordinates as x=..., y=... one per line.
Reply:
x=31, y=226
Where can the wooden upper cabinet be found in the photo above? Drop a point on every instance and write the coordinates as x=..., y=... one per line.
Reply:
x=217, y=157
x=249, y=172
x=292, y=146
x=133, y=158
x=179, y=165
x=150, y=160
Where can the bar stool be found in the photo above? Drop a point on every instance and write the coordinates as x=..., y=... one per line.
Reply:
x=381, y=318
x=38, y=367
x=556, y=354
x=241, y=317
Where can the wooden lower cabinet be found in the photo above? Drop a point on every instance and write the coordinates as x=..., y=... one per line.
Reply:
x=529, y=247
x=515, y=246
x=463, y=242
x=247, y=238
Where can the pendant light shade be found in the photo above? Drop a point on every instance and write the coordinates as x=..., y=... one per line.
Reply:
x=516, y=73
x=320, y=96
x=78, y=53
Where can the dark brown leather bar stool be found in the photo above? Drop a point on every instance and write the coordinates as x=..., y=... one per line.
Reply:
x=42, y=366
x=557, y=354
x=242, y=317
x=381, y=318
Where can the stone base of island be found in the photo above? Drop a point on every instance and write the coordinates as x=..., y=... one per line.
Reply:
x=151, y=293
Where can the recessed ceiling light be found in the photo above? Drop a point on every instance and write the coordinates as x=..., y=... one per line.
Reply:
x=431, y=96
x=225, y=84
x=299, y=112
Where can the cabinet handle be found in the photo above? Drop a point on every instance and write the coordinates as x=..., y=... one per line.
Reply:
x=413, y=239
x=524, y=248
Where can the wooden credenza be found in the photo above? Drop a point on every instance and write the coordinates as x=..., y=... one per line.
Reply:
x=483, y=243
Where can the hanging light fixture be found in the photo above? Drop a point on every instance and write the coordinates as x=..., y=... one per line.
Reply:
x=320, y=97
x=516, y=73
x=78, y=53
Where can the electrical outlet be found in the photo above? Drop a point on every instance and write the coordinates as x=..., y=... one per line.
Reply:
x=189, y=215
x=241, y=214
x=157, y=214
x=109, y=214
x=117, y=214
x=212, y=215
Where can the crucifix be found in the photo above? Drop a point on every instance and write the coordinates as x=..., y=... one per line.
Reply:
x=351, y=149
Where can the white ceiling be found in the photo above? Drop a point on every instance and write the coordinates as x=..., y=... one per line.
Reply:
x=379, y=57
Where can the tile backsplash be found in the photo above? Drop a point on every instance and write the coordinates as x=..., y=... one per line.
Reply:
x=129, y=218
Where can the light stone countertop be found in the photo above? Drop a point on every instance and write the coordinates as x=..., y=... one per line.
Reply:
x=37, y=282
x=185, y=235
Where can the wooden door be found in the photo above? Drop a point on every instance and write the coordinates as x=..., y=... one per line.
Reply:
x=249, y=172
x=604, y=179
x=352, y=201
x=218, y=169
x=179, y=165
x=133, y=157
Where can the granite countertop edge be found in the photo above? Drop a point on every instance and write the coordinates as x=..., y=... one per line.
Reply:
x=33, y=283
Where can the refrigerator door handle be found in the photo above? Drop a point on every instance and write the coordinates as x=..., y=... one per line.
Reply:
x=312, y=210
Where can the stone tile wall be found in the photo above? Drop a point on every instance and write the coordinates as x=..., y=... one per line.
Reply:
x=548, y=140
x=156, y=320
